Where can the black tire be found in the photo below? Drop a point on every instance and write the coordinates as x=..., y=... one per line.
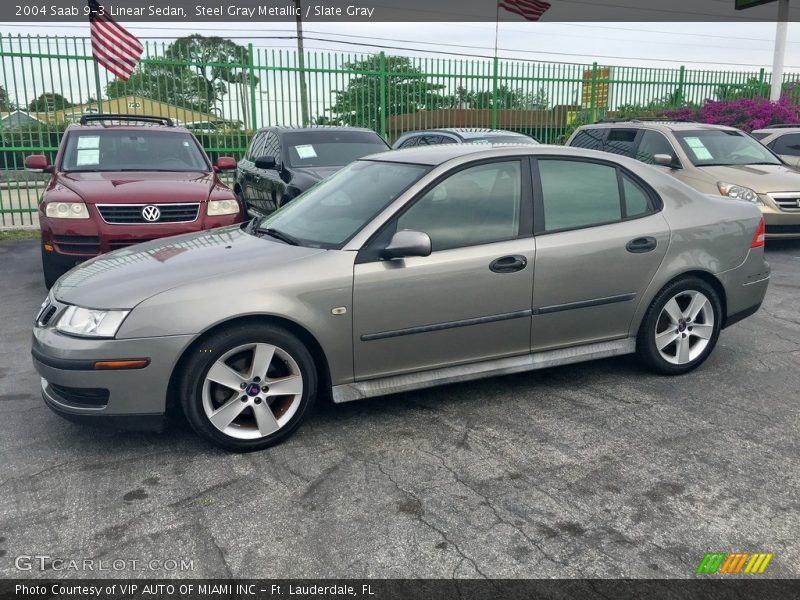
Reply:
x=51, y=268
x=210, y=350
x=646, y=345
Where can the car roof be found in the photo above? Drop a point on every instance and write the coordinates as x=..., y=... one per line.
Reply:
x=778, y=129
x=442, y=153
x=466, y=133
x=290, y=129
x=140, y=127
x=660, y=125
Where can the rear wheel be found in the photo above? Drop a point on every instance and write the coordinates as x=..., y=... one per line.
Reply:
x=52, y=268
x=681, y=327
x=248, y=387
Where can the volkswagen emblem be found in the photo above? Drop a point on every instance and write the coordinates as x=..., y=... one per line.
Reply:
x=151, y=214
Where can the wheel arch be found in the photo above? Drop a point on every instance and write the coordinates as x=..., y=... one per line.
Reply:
x=705, y=276
x=305, y=336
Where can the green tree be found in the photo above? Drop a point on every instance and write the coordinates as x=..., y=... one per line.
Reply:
x=407, y=90
x=5, y=103
x=49, y=102
x=506, y=98
x=195, y=73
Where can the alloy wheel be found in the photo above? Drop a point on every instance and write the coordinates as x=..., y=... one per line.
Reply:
x=252, y=391
x=684, y=327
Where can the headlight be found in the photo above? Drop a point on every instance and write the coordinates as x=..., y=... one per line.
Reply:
x=67, y=210
x=91, y=323
x=217, y=208
x=738, y=191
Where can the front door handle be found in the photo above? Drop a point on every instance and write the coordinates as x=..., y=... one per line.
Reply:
x=641, y=244
x=509, y=264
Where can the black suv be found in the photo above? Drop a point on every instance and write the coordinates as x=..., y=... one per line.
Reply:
x=281, y=162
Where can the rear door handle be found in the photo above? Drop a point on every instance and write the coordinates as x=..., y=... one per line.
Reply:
x=509, y=264
x=641, y=244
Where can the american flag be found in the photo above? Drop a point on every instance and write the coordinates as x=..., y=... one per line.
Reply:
x=113, y=46
x=529, y=9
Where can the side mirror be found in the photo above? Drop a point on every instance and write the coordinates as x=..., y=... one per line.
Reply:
x=37, y=163
x=266, y=162
x=225, y=163
x=667, y=160
x=408, y=243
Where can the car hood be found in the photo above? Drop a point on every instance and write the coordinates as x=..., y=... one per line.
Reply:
x=126, y=277
x=760, y=178
x=111, y=187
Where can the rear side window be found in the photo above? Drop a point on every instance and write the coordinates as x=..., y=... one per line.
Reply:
x=621, y=141
x=787, y=144
x=760, y=136
x=591, y=139
x=429, y=140
x=577, y=194
x=412, y=141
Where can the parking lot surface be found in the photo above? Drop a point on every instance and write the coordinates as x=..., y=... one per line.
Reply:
x=591, y=470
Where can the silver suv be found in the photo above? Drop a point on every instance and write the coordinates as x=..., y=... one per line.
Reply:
x=713, y=159
x=783, y=140
x=406, y=269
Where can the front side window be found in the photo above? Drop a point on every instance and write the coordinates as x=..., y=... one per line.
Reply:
x=722, y=147
x=132, y=150
x=578, y=194
x=787, y=144
x=477, y=205
x=653, y=143
x=334, y=210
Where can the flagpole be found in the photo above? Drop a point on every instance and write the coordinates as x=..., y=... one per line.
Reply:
x=98, y=89
x=495, y=66
x=496, y=27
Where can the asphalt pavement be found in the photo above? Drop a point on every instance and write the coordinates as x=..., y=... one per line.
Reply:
x=591, y=470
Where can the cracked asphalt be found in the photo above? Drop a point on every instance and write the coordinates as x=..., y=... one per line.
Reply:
x=591, y=470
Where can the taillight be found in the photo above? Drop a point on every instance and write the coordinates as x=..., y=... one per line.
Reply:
x=758, y=238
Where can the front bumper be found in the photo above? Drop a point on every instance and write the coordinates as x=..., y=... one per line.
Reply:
x=73, y=387
x=781, y=224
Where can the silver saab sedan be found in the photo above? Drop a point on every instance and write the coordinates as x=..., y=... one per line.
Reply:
x=406, y=269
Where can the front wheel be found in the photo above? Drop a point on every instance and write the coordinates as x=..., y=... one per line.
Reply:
x=681, y=327
x=248, y=387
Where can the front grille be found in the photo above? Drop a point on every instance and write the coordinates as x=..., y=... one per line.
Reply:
x=92, y=397
x=47, y=314
x=788, y=201
x=77, y=244
x=772, y=229
x=132, y=214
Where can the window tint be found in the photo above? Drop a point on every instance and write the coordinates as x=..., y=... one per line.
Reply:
x=760, y=136
x=636, y=202
x=620, y=141
x=272, y=146
x=653, y=143
x=578, y=194
x=589, y=138
x=429, y=140
x=787, y=144
x=256, y=145
x=475, y=206
x=412, y=141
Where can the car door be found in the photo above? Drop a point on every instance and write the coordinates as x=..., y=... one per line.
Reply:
x=470, y=300
x=600, y=238
x=246, y=169
x=787, y=147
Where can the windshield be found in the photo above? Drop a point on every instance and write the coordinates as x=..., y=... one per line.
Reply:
x=713, y=147
x=330, y=148
x=502, y=139
x=132, y=150
x=334, y=210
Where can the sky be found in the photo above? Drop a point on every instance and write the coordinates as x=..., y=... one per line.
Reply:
x=741, y=46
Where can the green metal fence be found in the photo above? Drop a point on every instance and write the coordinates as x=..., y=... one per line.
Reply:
x=224, y=91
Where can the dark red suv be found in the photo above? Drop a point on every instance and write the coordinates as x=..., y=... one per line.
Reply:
x=119, y=180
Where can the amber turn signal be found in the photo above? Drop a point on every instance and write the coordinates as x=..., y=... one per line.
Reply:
x=135, y=363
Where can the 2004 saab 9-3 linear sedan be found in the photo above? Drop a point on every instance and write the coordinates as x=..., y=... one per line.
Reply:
x=404, y=270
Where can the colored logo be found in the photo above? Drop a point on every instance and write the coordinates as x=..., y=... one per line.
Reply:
x=734, y=563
